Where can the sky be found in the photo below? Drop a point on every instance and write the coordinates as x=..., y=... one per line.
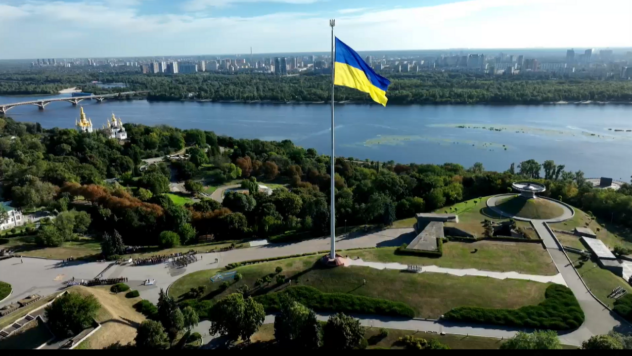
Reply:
x=126, y=28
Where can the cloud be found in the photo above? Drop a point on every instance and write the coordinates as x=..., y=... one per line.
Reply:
x=198, y=5
x=352, y=11
x=62, y=29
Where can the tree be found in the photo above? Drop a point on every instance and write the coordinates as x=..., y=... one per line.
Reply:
x=195, y=137
x=549, y=169
x=236, y=317
x=191, y=318
x=193, y=186
x=624, y=340
x=33, y=193
x=296, y=326
x=169, y=239
x=71, y=313
x=602, y=342
x=271, y=170
x=151, y=335
x=245, y=164
x=342, y=332
x=144, y=194
x=48, y=235
x=156, y=183
x=238, y=202
x=187, y=233
x=477, y=168
x=112, y=244
x=235, y=224
x=175, y=324
x=250, y=185
x=621, y=250
x=197, y=156
x=538, y=340
x=4, y=214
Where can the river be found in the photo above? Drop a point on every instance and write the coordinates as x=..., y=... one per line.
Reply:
x=574, y=135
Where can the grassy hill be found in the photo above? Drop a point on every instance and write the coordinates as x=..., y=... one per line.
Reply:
x=530, y=208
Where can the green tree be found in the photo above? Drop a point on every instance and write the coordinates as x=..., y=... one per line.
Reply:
x=191, y=318
x=71, y=313
x=621, y=250
x=296, y=326
x=602, y=342
x=193, y=186
x=187, y=233
x=112, y=244
x=238, y=202
x=169, y=239
x=250, y=185
x=175, y=324
x=195, y=137
x=156, y=183
x=477, y=168
x=236, y=317
x=151, y=335
x=144, y=194
x=197, y=156
x=48, y=235
x=342, y=332
x=4, y=214
x=33, y=194
x=538, y=340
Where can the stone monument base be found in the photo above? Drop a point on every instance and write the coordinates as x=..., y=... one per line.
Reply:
x=327, y=261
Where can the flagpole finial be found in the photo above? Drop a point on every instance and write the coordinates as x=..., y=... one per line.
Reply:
x=332, y=22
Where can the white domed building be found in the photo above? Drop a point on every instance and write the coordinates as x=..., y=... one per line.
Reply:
x=115, y=129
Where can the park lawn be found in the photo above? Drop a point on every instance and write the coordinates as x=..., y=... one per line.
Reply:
x=471, y=215
x=570, y=240
x=84, y=247
x=600, y=281
x=117, y=317
x=611, y=234
x=530, y=208
x=5, y=290
x=179, y=200
x=11, y=318
x=404, y=223
x=496, y=256
x=429, y=294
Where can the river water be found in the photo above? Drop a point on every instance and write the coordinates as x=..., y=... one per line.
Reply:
x=577, y=136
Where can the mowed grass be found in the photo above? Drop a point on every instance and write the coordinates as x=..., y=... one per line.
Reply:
x=429, y=294
x=117, y=317
x=611, y=234
x=5, y=290
x=530, y=208
x=600, y=281
x=179, y=200
x=491, y=256
x=200, y=248
x=11, y=318
x=81, y=248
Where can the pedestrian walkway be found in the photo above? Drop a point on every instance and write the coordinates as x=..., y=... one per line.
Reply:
x=558, y=279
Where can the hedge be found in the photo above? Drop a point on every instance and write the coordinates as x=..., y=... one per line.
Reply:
x=245, y=263
x=559, y=311
x=623, y=306
x=132, y=294
x=404, y=250
x=119, y=287
x=336, y=302
x=147, y=308
x=202, y=308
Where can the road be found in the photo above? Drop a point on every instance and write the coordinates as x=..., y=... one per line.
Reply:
x=218, y=194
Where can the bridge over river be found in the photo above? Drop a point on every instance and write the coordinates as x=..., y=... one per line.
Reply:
x=42, y=103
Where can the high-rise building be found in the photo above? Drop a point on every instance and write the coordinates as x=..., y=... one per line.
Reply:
x=531, y=64
x=520, y=61
x=606, y=55
x=570, y=56
x=202, y=66
x=145, y=69
x=588, y=55
x=162, y=67
x=294, y=63
x=369, y=60
x=172, y=68
x=283, y=66
x=212, y=66
x=187, y=68
x=155, y=67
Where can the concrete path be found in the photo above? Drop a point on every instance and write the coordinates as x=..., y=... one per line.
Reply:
x=558, y=279
x=599, y=320
x=218, y=194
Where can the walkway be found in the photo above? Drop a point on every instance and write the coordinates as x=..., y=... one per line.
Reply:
x=558, y=279
x=218, y=194
x=599, y=320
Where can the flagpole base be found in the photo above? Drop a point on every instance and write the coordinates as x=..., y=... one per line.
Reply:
x=327, y=261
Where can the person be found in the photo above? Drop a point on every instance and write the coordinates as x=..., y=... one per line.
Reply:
x=21, y=260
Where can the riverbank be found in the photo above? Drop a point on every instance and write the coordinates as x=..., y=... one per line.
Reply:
x=70, y=90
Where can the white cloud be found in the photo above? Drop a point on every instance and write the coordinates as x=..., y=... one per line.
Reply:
x=54, y=29
x=197, y=5
x=352, y=11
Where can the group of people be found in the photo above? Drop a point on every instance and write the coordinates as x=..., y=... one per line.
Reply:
x=184, y=261
x=96, y=281
x=161, y=258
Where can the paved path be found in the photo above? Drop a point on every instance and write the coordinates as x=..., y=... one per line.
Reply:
x=558, y=279
x=218, y=194
x=599, y=320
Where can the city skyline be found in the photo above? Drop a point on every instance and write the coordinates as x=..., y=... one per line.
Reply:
x=141, y=28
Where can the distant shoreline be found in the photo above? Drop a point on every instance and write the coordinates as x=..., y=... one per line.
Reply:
x=587, y=102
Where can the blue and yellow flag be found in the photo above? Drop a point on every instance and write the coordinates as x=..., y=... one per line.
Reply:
x=353, y=72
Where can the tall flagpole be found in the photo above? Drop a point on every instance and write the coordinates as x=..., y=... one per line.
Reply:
x=332, y=217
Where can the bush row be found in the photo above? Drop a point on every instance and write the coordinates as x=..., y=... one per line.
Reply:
x=559, y=311
x=336, y=302
x=623, y=306
x=201, y=307
x=119, y=287
x=146, y=308
x=132, y=294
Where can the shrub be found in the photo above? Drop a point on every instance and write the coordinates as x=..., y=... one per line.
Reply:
x=336, y=302
x=224, y=285
x=132, y=294
x=280, y=279
x=195, y=336
x=623, y=306
x=279, y=269
x=120, y=287
x=146, y=308
x=559, y=311
x=114, y=258
x=202, y=308
x=238, y=277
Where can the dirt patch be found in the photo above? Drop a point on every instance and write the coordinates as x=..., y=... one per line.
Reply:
x=117, y=316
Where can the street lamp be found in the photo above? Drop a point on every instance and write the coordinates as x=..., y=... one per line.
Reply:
x=345, y=226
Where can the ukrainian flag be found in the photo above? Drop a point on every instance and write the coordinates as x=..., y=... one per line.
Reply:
x=353, y=72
